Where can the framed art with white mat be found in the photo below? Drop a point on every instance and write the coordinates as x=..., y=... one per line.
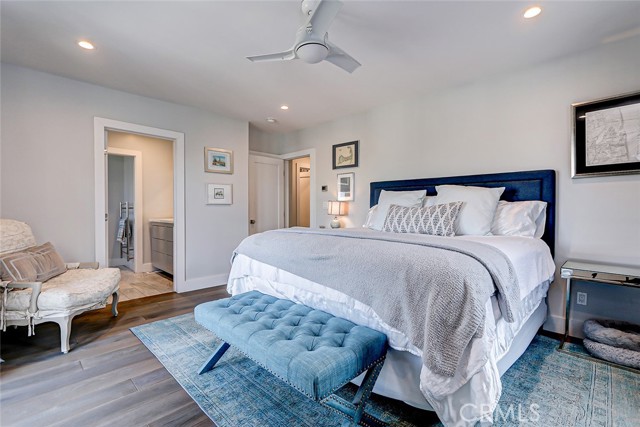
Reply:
x=219, y=194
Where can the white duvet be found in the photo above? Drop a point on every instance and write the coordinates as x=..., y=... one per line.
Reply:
x=476, y=388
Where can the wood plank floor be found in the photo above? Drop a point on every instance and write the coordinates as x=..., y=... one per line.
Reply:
x=108, y=378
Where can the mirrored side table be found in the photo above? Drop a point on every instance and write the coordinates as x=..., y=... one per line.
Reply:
x=615, y=275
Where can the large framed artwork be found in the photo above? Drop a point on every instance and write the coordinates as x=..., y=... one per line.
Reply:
x=218, y=160
x=345, y=155
x=606, y=138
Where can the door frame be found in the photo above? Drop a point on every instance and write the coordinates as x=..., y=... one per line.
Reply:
x=138, y=205
x=311, y=153
x=100, y=127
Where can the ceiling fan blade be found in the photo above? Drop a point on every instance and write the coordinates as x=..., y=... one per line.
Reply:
x=341, y=58
x=281, y=56
x=324, y=14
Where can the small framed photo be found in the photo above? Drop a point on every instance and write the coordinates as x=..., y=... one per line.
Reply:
x=218, y=160
x=219, y=194
x=345, y=155
x=606, y=137
x=345, y=187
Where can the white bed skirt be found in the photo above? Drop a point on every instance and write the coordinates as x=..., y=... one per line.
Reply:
x=398, y=378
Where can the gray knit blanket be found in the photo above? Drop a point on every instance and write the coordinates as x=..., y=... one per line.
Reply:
x=433, y=289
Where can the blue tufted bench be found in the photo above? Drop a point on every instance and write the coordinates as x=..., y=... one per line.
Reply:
x=312, y=351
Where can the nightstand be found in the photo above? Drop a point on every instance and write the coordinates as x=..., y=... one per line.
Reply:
x=586, y=271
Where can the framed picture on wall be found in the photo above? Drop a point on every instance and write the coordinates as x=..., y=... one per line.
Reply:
x=345, y=155
x=219, y=194
x=345, y=187
x=218, y=160
x=606, y=138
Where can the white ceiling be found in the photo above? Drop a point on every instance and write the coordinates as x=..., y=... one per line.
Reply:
x=194, y=53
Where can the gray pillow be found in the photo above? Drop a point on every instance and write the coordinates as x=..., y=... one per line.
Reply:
x=437, y=220
x=35, y=264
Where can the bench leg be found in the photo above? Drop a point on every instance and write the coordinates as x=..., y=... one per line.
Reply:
x=355, y=409
x=209, y=364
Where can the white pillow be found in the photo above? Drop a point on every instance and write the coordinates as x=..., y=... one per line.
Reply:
x=369, y=220
x=476, y=214
x=401, y=198
x=525, y=219
x=428, y=201
x=541, y=222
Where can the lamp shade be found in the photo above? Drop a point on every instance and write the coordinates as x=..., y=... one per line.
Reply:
x=337, y=208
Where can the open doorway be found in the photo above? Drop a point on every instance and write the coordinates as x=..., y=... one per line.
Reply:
x=300, y=188
x=174, y=236
x=271, y=197
x=140, y=212
x=299, y=192
x=124, y=208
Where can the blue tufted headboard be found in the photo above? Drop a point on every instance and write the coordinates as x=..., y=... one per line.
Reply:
x=530, y=185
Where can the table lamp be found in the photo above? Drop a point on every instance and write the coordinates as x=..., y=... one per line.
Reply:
x=336, y=209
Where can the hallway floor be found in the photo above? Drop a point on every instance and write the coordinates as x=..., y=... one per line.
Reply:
x=140, y=285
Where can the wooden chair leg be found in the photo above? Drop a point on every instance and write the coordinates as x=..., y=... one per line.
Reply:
x=114, y=303
x=65, y=332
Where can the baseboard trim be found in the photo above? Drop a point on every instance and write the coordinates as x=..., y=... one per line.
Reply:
x=554, y=324
x=147, y=267
x=204, y=282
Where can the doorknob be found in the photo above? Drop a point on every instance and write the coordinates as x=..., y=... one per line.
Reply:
x=252, y=221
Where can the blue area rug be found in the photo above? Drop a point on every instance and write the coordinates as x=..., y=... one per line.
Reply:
x=543, y=388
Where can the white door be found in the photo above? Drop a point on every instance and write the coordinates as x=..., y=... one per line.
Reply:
x=266, y=193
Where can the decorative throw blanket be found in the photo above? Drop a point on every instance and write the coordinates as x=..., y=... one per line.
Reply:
x=434, y=289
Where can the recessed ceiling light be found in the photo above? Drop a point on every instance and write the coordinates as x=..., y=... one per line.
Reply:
x=532, y=12
x=271, y=120
x=284, y=107
x=85, y=45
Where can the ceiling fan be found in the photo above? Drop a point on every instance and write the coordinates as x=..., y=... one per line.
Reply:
x=312, y=44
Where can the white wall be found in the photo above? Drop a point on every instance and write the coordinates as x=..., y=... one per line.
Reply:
x=157, y=179
x=47, y=165
x=515, y=121
x=264, y=142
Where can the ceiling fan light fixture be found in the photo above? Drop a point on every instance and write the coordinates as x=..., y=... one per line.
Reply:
x=311, y=43
x=312, y=53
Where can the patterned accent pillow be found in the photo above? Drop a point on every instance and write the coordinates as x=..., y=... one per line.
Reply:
x=437, y=220
x=36, y=264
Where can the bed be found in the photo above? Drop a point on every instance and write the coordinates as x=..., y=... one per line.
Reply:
x=471, y=393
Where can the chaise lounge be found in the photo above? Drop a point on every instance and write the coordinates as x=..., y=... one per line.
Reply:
x=39, y=287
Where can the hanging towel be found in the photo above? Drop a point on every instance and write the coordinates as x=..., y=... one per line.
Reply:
x=122, y=223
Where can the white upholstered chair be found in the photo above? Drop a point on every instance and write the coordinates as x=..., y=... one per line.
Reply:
x=80, y=287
